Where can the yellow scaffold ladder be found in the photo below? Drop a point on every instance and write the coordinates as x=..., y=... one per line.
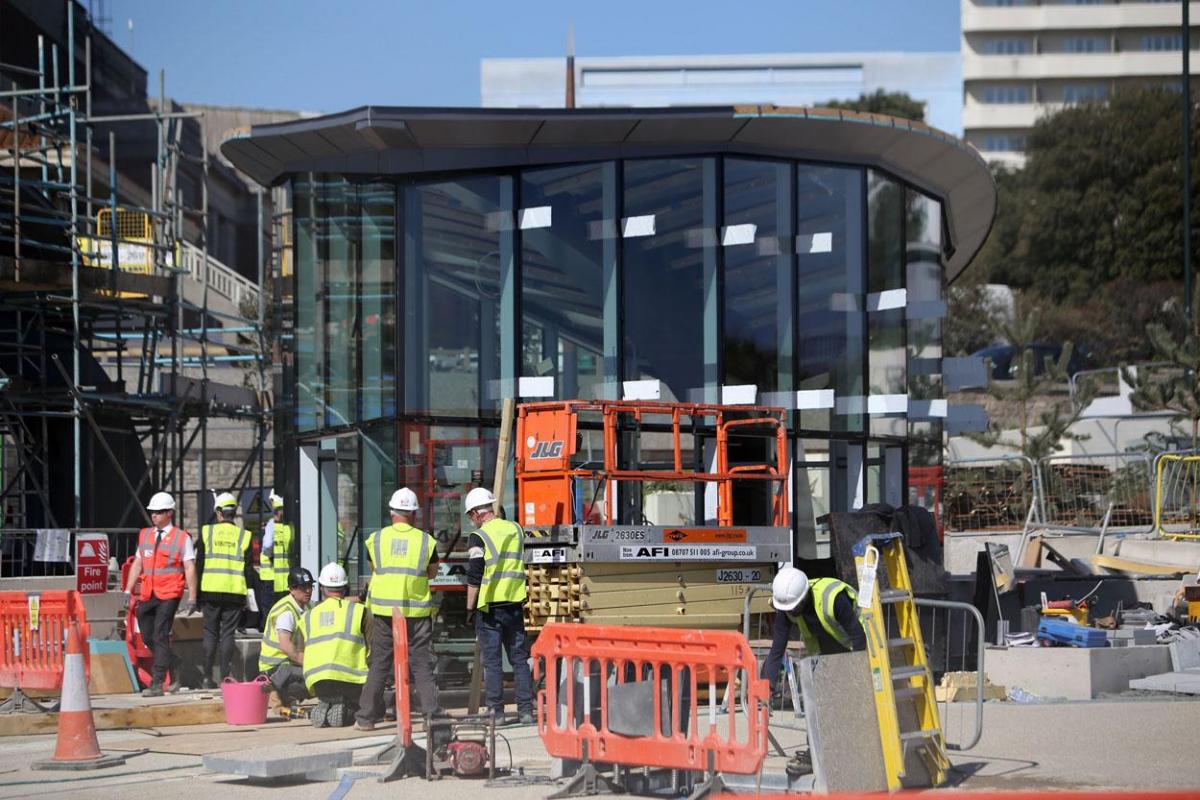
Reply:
x=908, y=715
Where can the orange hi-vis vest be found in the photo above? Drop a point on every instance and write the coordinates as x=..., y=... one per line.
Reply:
x=162, y=563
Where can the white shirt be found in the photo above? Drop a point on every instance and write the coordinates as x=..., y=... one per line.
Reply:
x=286, y=621
x=269, y=536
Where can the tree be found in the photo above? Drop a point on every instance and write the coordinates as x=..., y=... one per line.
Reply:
x=1030, y=383
x=1174, y=387
x=1099, y=199
x=895, y=104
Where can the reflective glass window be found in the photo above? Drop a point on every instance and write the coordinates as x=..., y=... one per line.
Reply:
x=458, y=239
x=308, y=338
x=926, y=310
x=886, y=385
x=756, y=243
x=337, y=250
x=377, y=297
x=668, y=272
x=830, y=282
x=568, y=269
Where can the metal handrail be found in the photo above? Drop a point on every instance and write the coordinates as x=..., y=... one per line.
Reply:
x=980, y=649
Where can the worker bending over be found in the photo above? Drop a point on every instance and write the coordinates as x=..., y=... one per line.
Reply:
x=335, y=651
x=496, y=595
x=225, y=561
x=403, y=559
x=281, y=658
x=166, y=562
x=824, y=611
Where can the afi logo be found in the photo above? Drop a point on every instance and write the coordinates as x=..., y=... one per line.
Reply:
x=547, y=450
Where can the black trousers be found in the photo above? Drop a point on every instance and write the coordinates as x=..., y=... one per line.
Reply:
x=381, y=665
x=338, y=692
x=220, y=625
x=155, y=618
x=288, y=680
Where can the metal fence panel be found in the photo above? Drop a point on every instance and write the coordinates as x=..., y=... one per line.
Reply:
x=1177, y=495
x=1098, y=490
x=990, y=494
x=18, y=547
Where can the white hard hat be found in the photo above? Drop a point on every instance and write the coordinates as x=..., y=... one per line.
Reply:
x=226, y=500
x=161, y=501
x=332, y=575
x=403, y=500
x=275, y=500
x=789, y=588
x=477, y=498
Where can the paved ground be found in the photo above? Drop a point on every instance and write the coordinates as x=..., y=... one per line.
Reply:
x=1120, y=744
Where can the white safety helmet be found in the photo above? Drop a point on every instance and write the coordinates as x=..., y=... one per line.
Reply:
x=332, y=576
x=276, y=501
x=161, y=501
x=478, y=498
x=403, y=500
x=789, y=588
x=225, y=500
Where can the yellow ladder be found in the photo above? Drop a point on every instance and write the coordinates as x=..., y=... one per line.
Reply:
x=903, y=683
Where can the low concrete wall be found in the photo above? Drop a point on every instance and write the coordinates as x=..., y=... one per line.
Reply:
x=959, y=549
x=1074, y=673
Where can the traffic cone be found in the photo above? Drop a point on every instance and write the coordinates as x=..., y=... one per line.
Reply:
x=77, y=747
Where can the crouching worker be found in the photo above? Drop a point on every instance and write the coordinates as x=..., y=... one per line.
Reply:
x=335, y=651
x=282, y=654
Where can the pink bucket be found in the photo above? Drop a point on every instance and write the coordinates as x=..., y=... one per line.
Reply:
x=245, y=703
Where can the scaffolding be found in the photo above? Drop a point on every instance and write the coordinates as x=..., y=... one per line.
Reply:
x=114, y=317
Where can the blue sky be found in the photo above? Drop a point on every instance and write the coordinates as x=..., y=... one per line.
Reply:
x=329, y=55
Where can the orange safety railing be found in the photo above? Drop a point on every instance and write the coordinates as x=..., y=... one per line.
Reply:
x=400, y=660
x=663, y=673
x=33, y=635
x=547, y=440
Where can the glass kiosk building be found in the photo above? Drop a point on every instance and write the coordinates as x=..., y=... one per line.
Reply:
x=435, y=261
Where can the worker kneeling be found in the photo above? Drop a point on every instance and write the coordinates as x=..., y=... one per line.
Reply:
x=823, y=611
x=281, y=658
x=335, y=651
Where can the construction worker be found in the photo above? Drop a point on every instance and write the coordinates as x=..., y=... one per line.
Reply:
x=276, y=558
x=281, y=658
x=495, y=596
x=335, y=650
x=824, y=611
x=166, y=562
x=403, y=559
x=224, y=578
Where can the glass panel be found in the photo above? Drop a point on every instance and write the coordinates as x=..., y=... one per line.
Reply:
x=566, y=264
x=813, y=497
x=664, y=274
x=337, y=247
x=830, y=277
x=378, y=483
x=309, y=341
x=378, y=296
x=925, y=296
x=885, y=277
x=457, y=268
x=756, y=240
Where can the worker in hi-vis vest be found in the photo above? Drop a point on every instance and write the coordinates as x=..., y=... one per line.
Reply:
x=403, y=559
x=496, y=599
x=823, y=611
x=224, y=566
x=275, y=561
x=335, y=650
x=281, y=657
x=165, y=562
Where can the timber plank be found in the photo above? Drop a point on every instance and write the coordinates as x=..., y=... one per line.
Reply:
x=107, y=719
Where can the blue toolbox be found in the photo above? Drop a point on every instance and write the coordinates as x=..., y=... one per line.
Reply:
x=1070, y=633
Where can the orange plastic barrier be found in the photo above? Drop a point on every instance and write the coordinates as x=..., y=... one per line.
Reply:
x=400, y=660
x=682, y=670
x=33, y=636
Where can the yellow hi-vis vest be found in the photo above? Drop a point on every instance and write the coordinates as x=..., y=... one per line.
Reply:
x=334, y=646
x=224, y=558
x=503, y=563
x=399, y=582
x=824, y=592
x=271, y=654
x=275, y=569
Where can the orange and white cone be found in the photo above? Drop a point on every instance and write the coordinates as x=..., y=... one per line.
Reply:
x=77, y=746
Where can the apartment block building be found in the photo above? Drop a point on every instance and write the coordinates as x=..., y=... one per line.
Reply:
x=1023, y=59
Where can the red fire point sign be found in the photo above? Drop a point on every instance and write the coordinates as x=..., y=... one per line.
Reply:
x=91, y=563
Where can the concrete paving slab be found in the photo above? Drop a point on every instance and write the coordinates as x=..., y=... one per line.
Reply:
x=281, y=762
x=1182, y=682
x=1185, y=654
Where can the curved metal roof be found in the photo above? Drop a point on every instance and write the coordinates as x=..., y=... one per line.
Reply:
x=374, y=140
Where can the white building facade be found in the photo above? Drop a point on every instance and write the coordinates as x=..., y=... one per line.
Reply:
x=1022, y=59
x=793, y=79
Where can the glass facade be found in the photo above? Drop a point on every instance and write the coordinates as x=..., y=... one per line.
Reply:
x=821, y=285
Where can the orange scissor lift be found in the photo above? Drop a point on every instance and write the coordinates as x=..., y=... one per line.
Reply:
x=585, y=565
